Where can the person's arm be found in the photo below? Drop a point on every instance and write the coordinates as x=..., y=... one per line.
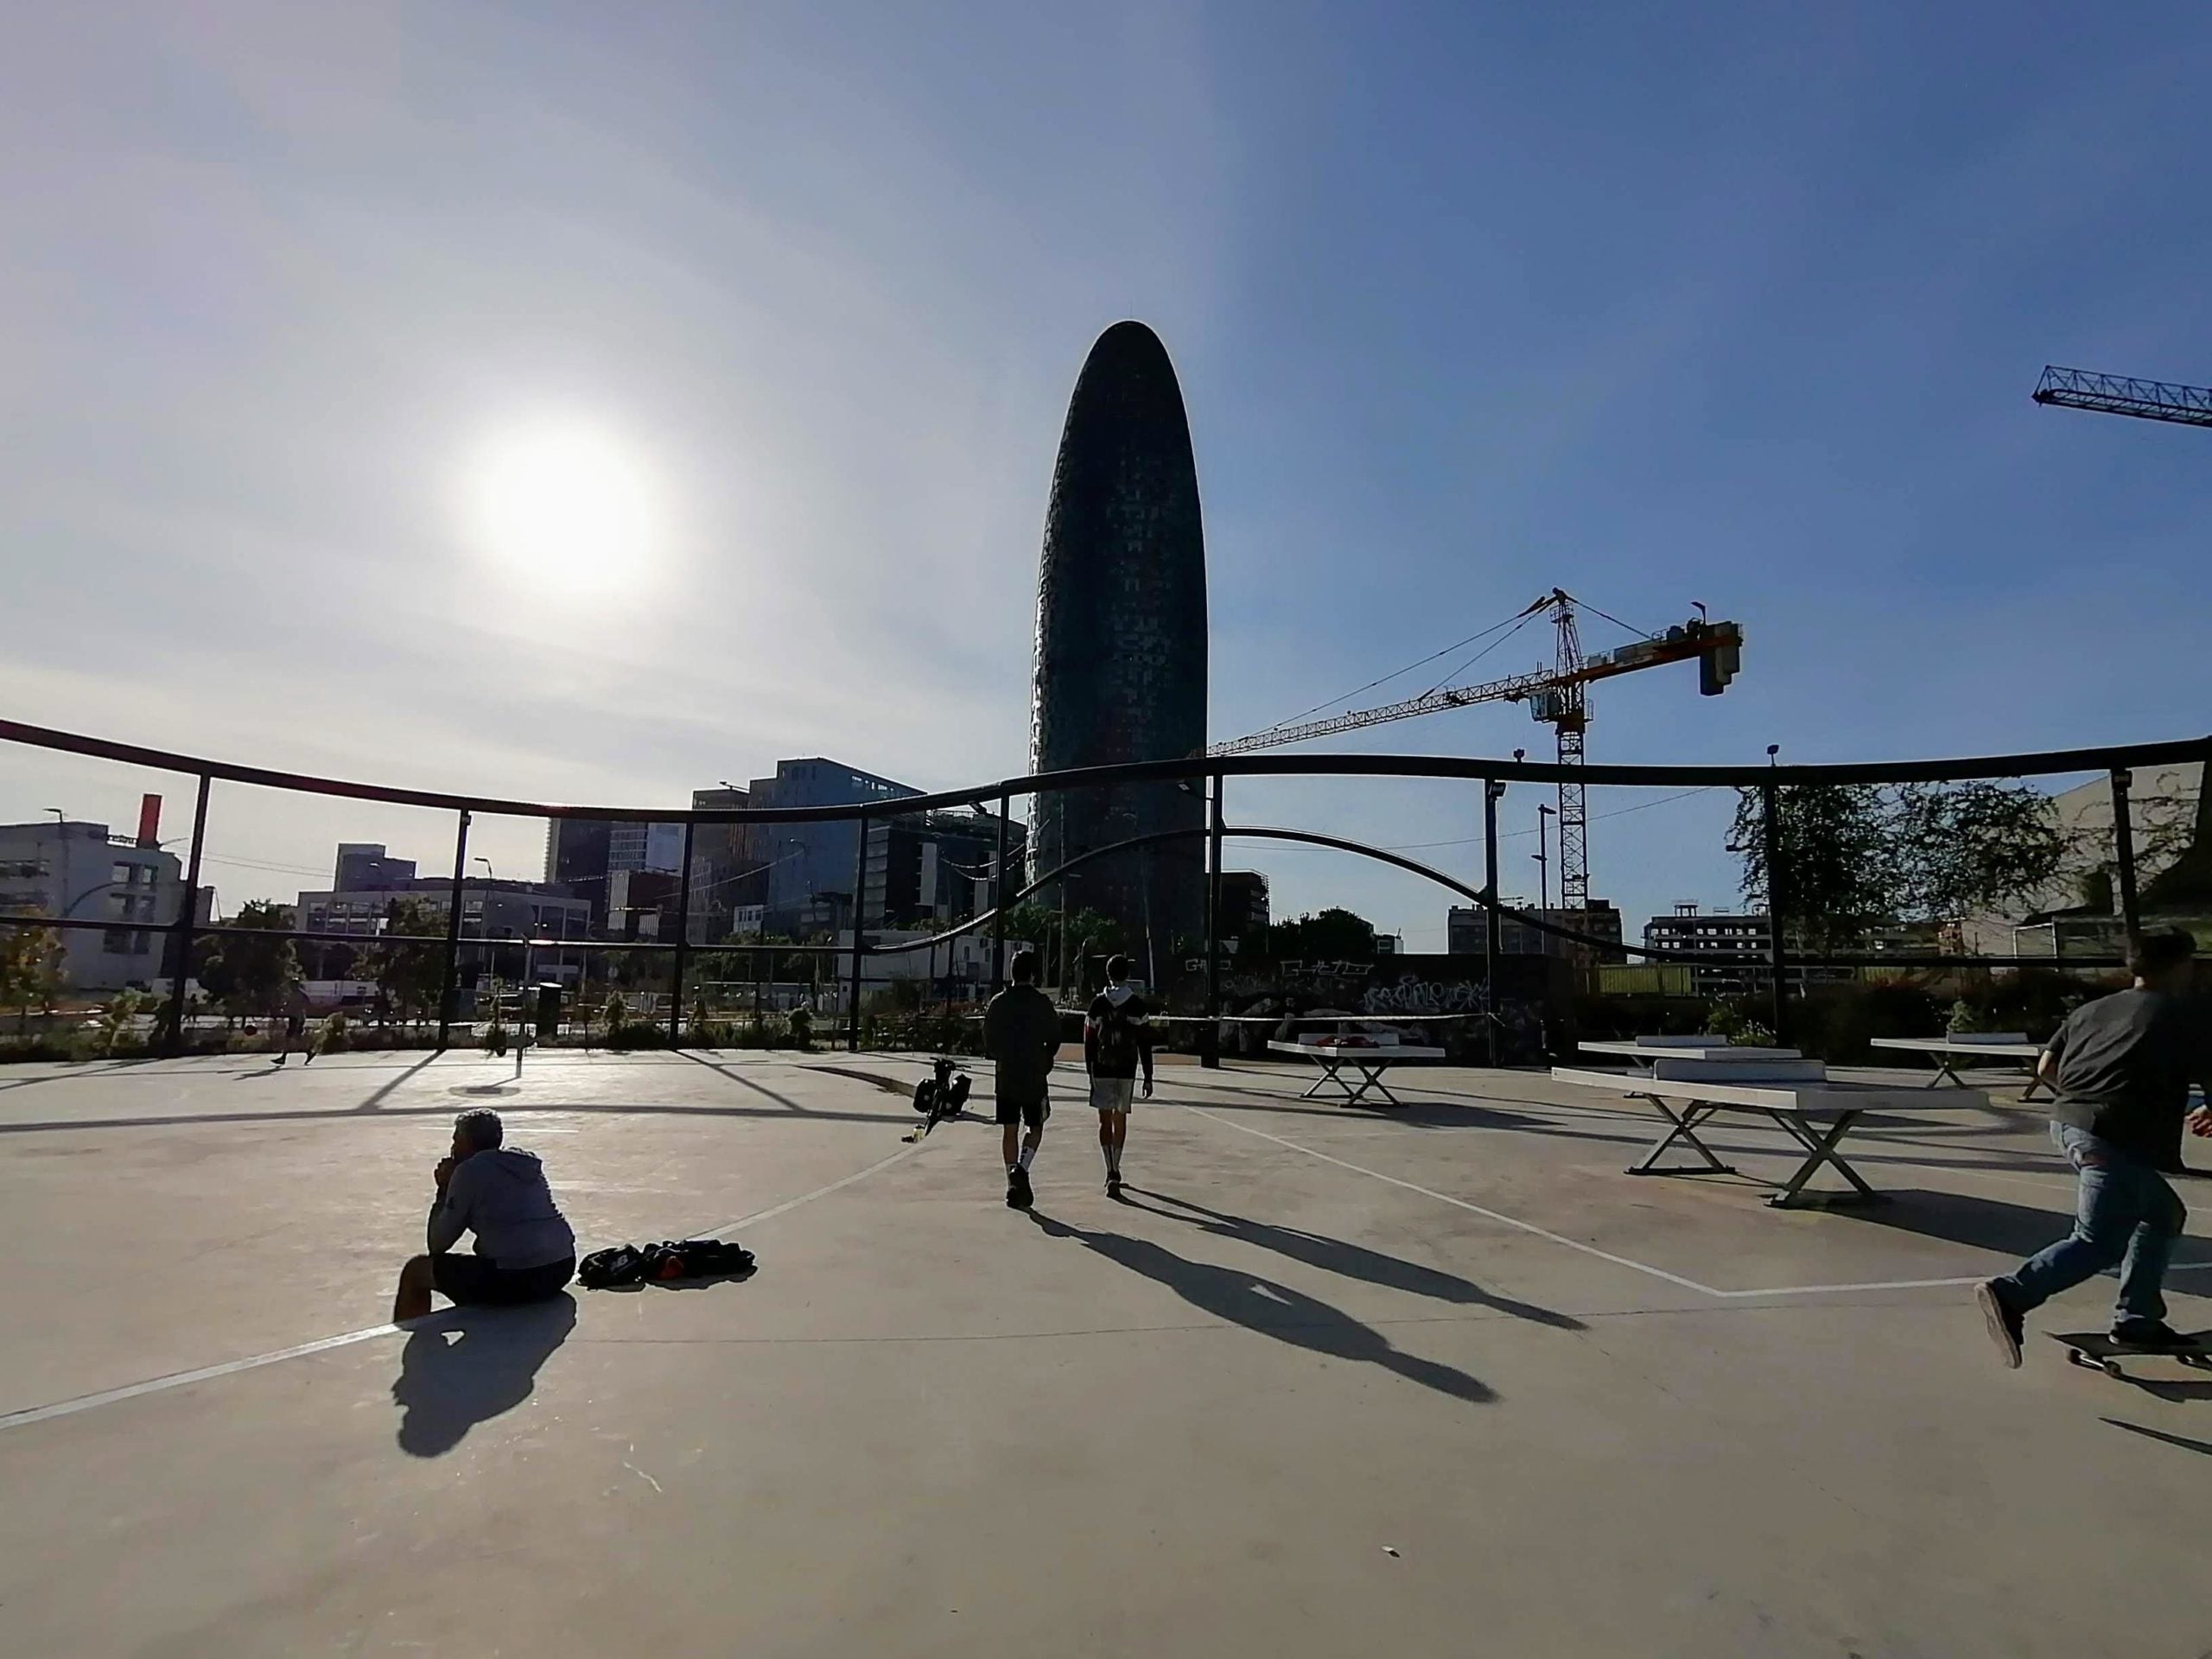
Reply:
x=1143, y=1023
x=449, y=1211
x=2053, y=1051
x=2200, y=1118
x=1090, y=1041
x=994, y=1026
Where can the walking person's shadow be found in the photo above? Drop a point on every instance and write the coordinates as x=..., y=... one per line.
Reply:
x=1353, y=1261
x=471, y=1366
x=1273, y=1309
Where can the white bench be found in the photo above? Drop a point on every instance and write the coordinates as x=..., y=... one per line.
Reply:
x=1816, y=1115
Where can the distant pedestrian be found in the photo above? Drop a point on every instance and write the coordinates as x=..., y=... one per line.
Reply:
x=2119, y=1070
x=295, y=1024
x=1021, y=1034
x=1116, y=1042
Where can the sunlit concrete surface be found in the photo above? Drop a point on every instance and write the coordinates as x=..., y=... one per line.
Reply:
x=1442, y=1381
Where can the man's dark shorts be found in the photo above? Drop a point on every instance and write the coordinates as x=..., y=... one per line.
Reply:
x=476, y=1282
x=1031, y=1112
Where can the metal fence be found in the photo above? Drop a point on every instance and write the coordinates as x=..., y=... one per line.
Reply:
x=1489, y=776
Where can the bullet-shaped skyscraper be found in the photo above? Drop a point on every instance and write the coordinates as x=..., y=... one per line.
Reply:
x=1121, y=659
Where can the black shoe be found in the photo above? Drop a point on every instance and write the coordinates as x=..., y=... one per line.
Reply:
x=1114, y=1183
x=1018, y=1195
x=2152, y=1336
x=2004, y=1324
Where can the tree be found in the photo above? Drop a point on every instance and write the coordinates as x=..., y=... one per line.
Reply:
x=1330, y=935
x=247, y=975
x=1973, y=847
x=1853, y=854
x=30, y=971
x=408, y=977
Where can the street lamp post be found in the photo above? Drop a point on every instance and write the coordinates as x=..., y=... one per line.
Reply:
x=1542, y=856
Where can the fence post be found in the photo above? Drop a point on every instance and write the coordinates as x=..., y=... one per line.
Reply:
x=446, y=991
x=1776, y=887
x=187, y=916
x=1492, y=790
x=683, y=939
x=1210, y=1044
x=2123, y=840
x=860, y=896
x=998, y=895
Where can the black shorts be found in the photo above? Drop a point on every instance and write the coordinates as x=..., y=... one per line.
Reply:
x=1032, y=1112
x=477, y=1282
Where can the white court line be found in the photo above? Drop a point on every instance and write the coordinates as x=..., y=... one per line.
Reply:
x=231, y=1367
x=1629, y=1263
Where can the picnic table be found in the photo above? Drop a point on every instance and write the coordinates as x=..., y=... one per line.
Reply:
x=1953, y=1049
x=1816, y=1114
x=1370, y=1060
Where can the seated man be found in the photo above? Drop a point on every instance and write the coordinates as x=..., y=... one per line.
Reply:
x=524, y=1251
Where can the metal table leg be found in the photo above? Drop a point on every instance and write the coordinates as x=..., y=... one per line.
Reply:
x=1329, y=1074
x=1371, y=1076
x=1684, y=1128
x=1945, y=1071
x=1819, y=1150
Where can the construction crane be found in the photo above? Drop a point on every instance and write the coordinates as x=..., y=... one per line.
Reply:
x=2116, y=394
x=1559, y=697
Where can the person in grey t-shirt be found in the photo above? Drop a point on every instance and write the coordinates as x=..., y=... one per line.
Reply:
x=524, y=1250
x=2121, y=1069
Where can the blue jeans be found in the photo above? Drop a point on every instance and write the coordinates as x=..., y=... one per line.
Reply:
x=2124, y=1213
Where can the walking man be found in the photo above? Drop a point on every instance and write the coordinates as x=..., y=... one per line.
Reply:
x=2119, y=1071
x=1117, y=1040
x=1021, y=1034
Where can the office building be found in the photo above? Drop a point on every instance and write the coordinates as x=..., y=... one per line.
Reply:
x=932, y=869
x=807, y=870
x=77, y=871
x=1464, y=930
x=1245, y=911
x=1119, y=672
x=366, y=867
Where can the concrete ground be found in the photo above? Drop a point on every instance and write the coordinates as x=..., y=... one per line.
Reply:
x=1331, y=1381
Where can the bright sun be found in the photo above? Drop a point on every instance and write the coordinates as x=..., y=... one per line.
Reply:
x=564, y=505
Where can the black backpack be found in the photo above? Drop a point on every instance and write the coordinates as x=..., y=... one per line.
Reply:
x=676, y=1258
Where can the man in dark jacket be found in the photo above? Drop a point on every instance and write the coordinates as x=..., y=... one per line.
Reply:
x=1021, y=1034
x=2120, y=1069
x=524, y=1251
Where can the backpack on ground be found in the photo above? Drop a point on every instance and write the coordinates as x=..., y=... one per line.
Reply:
x=625, y=1265
x=610, y=1269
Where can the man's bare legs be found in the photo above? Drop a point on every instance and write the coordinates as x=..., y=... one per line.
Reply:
x=413, y=1299
x=1113, y=1131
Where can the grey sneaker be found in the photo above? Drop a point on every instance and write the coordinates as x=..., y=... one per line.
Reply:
x=2004, y=1324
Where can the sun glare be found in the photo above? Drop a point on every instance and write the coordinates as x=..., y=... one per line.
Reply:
x=565, y=506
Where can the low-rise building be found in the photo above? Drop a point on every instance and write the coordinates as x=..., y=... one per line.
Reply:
x=77, y=871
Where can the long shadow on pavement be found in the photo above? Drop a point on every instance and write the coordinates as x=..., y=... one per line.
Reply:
x=472, y=1365
x=2182, y=1440
x=1352, y=1261
x=783, y=1101
x=1272, y=1309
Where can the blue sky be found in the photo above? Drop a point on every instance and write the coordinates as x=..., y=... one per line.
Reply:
x=1732, y=303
